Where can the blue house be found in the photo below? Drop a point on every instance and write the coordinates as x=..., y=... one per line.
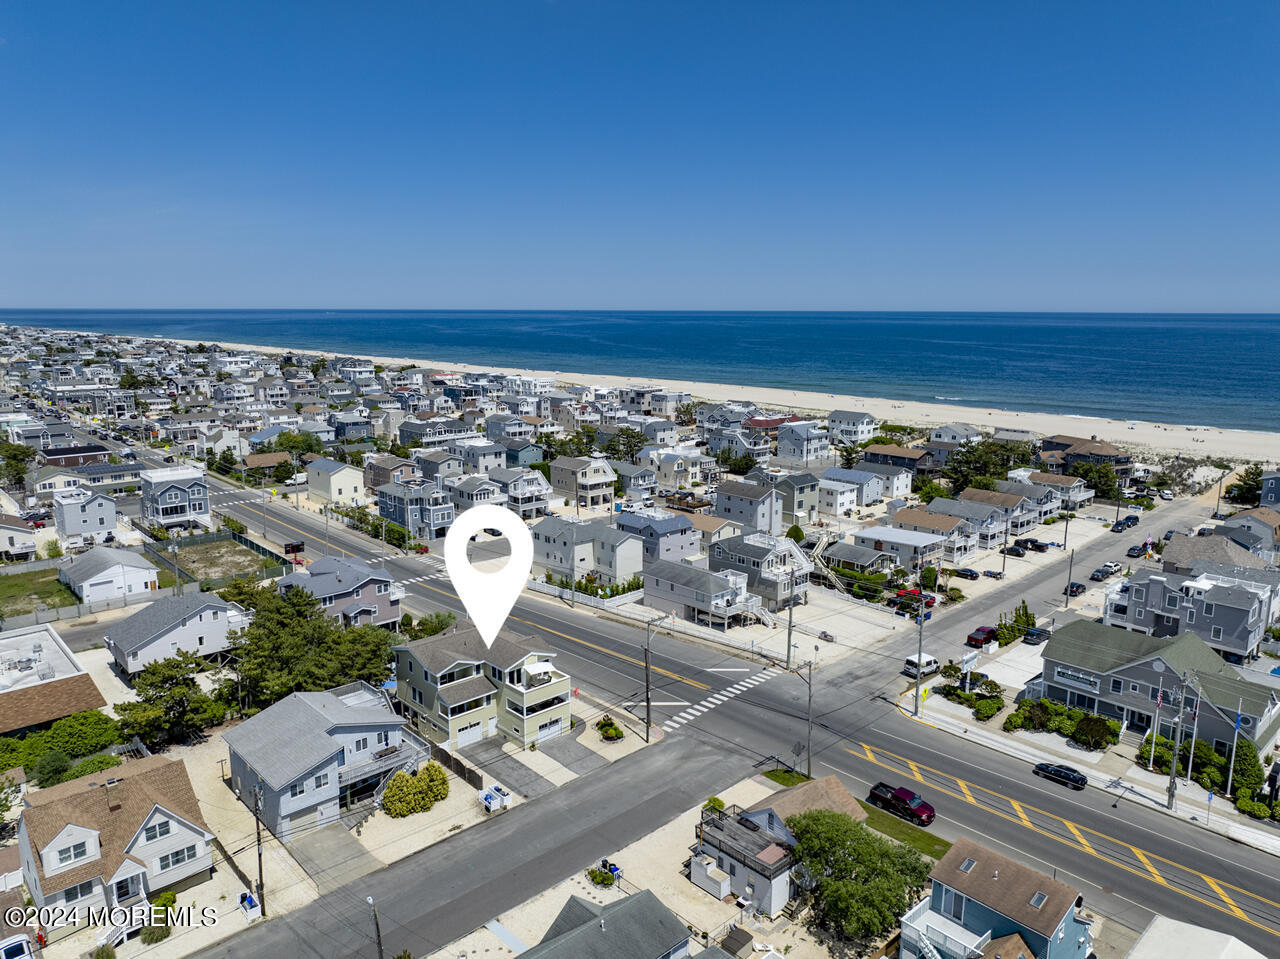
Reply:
x=983, y=904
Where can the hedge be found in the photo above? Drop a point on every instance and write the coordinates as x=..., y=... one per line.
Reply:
x=406, y=795
x=1085, y=729
x=77, y=735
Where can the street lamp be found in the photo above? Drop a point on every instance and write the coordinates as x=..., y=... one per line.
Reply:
x=808, y=681
x=648, y=638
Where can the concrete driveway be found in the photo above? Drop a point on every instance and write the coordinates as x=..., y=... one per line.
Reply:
x=572, y=754
x=487, y=756
x=331, y=856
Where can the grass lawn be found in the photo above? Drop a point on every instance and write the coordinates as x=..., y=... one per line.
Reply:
x=785, y=777
x=165, y=578
x=918, y=839
x=20, y=593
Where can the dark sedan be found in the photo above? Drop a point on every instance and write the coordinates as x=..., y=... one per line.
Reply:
x=966, y=573
x=1098, y=575
x=1014, y=551
x=1136, y=551
x=1063, y=775
x=1075, y=589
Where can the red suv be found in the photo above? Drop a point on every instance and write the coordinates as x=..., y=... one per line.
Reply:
x=981, y=636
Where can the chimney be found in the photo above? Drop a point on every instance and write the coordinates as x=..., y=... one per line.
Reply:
x=995, y=875
x=113, y=795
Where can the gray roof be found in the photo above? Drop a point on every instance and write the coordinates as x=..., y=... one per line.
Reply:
x=740, y=546
x=1181, y=551
x=159, y=617
x=841, y=553
x=292, y=736
x=882, y=469
x=964, y=509
x=326, y=465
x=752, y=491
x=331, y=576
x=855, y=476
x=850, y=415
x=463, y=691
x=102, y=558
x=670, y=523
x=461, y=643
x=635, y=927
x=690, y=577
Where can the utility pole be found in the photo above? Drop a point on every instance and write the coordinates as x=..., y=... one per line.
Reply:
x=573, y=564
x=1066, y=530
x=1004, y=555
x=263, y=483
x=1195, y=731
x=1177, y=743
x=791, y=610
x=1155, y=727
x=377, y=929
x=919, y=657
x=1231, y=759
x=257, y=815
x=808, y=749
x=648, y=638
x=1217, y=507
x=1070, y=566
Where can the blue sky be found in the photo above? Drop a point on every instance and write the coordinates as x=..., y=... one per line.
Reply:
x=684, y=155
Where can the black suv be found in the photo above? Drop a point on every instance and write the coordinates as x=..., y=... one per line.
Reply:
x=1136, y=551
x=1014, y=550
x=1064, y=775
x=1075, y=589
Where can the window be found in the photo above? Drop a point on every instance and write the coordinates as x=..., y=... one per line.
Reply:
x=297, y=789
x=72, y=853
x=362, y=744
x=177, y=857
x=322, y=780
x=1215, y=632
x=382, y=739
x=1134, y=688
x=1171, y=601
x=967, y=865
x=1038, y=900
x=382, y=588
x=1117, y=685
x=952, y=904
x=78, y=892
x=1208, y=609
x=1140, y=614
x=1191, y=616
x=1139, y=594
x=155, y=831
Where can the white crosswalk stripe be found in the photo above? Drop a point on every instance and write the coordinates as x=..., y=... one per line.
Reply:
x=716, y=699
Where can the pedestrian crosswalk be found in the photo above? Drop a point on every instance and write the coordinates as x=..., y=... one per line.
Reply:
x=718, y=698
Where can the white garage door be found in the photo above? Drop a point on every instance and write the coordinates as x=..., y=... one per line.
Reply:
x=302, y=822
x=470, y=734
x=547, y=730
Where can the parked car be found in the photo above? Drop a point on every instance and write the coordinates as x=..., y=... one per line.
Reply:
x=1111, y=566
x=1166, y=494
x=1099, y=574
x=1014, y=550
x=1132, y=519
x=913, y=595
x=1037, y=546
x=993, y=573
x=1064, y=775
x=966, y=573
x=1025, y=542
x=901, y=801
x=980, y=636
x=1169, y=534
x=1136, y=551
x=169, y=459
x=1119, y=526
x=1073, y=589
x=1035, y=635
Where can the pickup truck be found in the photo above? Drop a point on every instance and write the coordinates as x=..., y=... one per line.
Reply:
x=901, y=802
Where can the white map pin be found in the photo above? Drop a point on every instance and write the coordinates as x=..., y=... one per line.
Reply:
x=488, y=597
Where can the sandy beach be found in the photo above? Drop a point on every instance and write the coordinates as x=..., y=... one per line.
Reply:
x=1135, y=435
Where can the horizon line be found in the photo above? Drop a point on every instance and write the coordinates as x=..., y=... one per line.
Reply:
x=671, y=310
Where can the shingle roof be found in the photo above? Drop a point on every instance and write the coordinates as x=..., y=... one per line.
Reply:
x=690, y=577
x=752, y=491
x=115, y=812
x=333, y=575
x=326, y=465
x=102, y=558
x=1005, y=885
x=991, y=497
x=466, y=690
x=1181, y=551
x=160, y=616
x=292, y=736
x=635, y=927
x=826, y=792
x=45, y=702
x=461, y=643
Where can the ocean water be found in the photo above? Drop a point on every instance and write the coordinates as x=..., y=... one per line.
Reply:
x=1218, y=370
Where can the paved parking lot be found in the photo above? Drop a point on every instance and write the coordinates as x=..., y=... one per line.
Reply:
x=574, y=755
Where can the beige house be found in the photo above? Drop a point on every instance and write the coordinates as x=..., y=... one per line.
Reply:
x=591, y=478
x=329, y=481
x=456, y=691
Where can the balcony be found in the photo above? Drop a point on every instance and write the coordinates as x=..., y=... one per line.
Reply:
x=535, y=691
x=395, y=593
x=411, y=749
x=947, y=937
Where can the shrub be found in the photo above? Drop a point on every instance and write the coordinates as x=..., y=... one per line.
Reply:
x=94, y=764
x=150, y=935
x=1064, y=725
x=987, y=708
x=51, y=768
x=400, y=798
x=1013, y=721
x=165, y=900
x=609, y=729
x=1258, y=810
x=82, y=733
x=990, y=688
x=1094, y=732
x=104, y=952
x=433, y=782
x=600, y=877
x=713, y=802
x=929, y=577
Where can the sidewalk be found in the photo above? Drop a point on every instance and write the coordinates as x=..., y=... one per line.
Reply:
x=1111, y=770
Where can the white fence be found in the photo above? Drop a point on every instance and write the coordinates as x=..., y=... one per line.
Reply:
x=586, y=599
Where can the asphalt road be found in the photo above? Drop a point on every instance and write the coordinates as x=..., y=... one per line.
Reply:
x=1128, y=861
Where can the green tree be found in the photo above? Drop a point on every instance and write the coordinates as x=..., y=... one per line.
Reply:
x=713, y=802
x=969, y=461
x=8, y=796
x=929, y=491
x=1247, y=777
x=861, y=883
x=14, y=461
x=848, y=456
x=226, y=459
x=1247, y=489
x=630, y=442
x=929, y=577
x=686, y=414
x=1099, y=477
x=81, y=734
x=282, y=472
x=982, y=482
x=171, y=706
x=795, y=534
x=51, y=767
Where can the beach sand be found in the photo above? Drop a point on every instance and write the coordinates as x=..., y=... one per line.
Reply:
x=1134, y=435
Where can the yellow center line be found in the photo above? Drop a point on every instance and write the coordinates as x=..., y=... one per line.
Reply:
x=1079, y=836
x=1149, y=874
x=1022, y=813
x=582, y=642
x=915, y=771
x=1213, y=884
x=1142, y=857
x=964, y=788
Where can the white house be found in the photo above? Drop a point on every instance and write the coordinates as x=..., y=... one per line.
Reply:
x=17, y=541
x=85, y=513
x=955, y=433
x=910, y=549
x=332, y=482
x=198, y=623
x=106, y=572
x=849, y=428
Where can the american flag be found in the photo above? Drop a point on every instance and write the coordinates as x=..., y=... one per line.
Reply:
x=1160, y=699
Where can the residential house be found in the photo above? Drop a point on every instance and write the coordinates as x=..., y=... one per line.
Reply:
x=425, y=512
x=1018, y=511
x=590, y=479
x=522, y=454
x=175, y=496
x=527, y=492
x=1165, y=937
x=803, y=442
x=1229, y=613
x=507, y=426
x=666, y=535
x=48, y=683
x=71, y=456
x=1046, y=499
x=1012, y=434
x=699, y=595
x=857, y=559
x=777, y=569
x=836, y=498
x=116, y=841
x=960, y=539
x=920, y=462
x=910, y=549
x=712, y=529
x=17, y=540
x=457, y=689
x=197, y=623
x=751, y=505
x=896, y=480
x=984, y=904
x=868, y=487
x=987, y=522
x=84, y=513
x=1074, y=493
x=638, y=482
x=438, y=466
x=111, y=477
x=571, y=548
x=633, y=927
x=1262, y=521
x=1270, y=496
x=955, y=433
x=1060, y=453
x=739, y=442
x=381, y=470
x=46, y=479
x=799, y=493
x=311, y=756
x=673, y=469
x=329, y=481
x=468, y=491
x=849, y=427
x=1182, y=553
x=1136, y=679
x=350, y=591
x=106, y=572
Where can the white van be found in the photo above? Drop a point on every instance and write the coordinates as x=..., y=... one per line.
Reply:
x=921, y=665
